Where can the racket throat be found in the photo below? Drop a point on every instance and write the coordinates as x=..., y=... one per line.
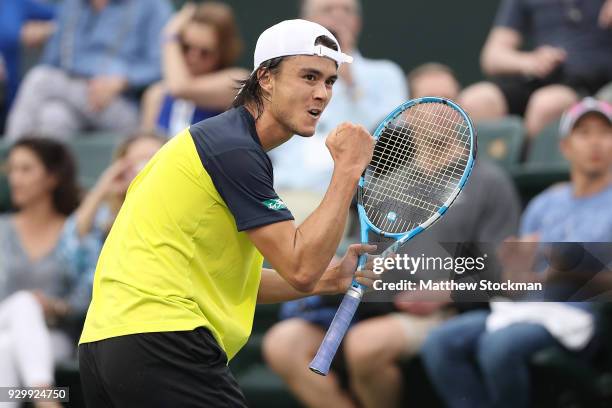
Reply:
x=356, y=290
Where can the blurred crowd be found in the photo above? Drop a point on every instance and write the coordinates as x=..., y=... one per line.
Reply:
x=144, y=71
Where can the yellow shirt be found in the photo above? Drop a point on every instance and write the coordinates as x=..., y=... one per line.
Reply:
x=175, y=259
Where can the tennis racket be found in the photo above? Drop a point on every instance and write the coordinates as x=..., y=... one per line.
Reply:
x=424, y=153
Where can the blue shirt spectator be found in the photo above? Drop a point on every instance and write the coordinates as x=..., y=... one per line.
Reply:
x=177, y=114
x=115, y=42
x=13, y=15
x=559, y=216
x=101, y=55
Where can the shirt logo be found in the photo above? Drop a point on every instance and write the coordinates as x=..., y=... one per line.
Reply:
x=275, y=204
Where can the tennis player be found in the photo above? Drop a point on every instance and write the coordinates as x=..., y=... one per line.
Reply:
x=181, y=270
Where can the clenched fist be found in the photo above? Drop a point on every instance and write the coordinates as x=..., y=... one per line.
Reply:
x=351, y=147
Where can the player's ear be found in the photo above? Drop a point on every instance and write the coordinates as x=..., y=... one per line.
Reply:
x=265, y=79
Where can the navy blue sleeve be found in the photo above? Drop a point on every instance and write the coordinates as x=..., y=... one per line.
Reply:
x=513, y=14
x=243, y=177
x=37, y=10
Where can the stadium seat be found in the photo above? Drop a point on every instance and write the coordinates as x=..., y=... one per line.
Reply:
x=544, y=166
x=583, y=383
x=501, y=140
x=93, y=153
x=263, y=388
x=544, y=150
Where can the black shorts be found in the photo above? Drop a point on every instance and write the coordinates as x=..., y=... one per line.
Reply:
x=171, y=369
x=518, y=89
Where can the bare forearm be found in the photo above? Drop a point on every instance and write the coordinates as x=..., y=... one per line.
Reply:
x=175, y=70
x=502, y=61
x=86, y=212
x=501, y=53
x=214, y=90
x=317, y=238
x=274, y=289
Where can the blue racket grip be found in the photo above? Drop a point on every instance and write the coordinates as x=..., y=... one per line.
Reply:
x=327, y=350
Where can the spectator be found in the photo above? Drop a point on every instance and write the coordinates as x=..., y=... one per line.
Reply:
x=571, y=57
x=22, y=22
x=374, y=347
x=98, y=211
x=101, y=55
x=433, y=79
x=364, y=94
x=38, y=280
x=201, y=45
x=481, y=359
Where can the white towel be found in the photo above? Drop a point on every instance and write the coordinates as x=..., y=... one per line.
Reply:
x=571, y=326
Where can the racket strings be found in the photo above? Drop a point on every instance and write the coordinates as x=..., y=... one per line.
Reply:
x=402, y=151
x=417, y=202
x=418, y=163
x=424, y=169
x=432, y=144
x=459, y=129
x=429, y=166
x=419, y=176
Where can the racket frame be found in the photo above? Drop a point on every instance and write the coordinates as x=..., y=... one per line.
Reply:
x=322, y=361
x=402, y=237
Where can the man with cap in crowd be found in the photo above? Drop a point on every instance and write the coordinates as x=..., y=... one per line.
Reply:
x=481, y=359
x=576, y=210
x=181, y=270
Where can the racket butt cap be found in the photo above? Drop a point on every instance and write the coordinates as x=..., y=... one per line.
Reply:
x=316, y=371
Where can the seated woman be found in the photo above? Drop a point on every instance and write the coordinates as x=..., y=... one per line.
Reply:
x=100, y=207
x=37, y=272
x=201, y=43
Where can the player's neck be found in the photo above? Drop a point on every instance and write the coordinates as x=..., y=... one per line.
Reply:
x=584, y=186
x=270, y=131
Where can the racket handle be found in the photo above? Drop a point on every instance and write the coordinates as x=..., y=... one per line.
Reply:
x=327, y=350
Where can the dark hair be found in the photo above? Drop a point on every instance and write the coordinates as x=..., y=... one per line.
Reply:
x=57, y=160
x=221, y=17
x=249, y=90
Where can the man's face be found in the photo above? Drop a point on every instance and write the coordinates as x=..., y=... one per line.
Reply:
x=341, y=17
x=300, y=91
x=589, y=146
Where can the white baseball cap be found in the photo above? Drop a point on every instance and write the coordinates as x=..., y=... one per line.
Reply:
x=295, y=37
x=576, y=112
